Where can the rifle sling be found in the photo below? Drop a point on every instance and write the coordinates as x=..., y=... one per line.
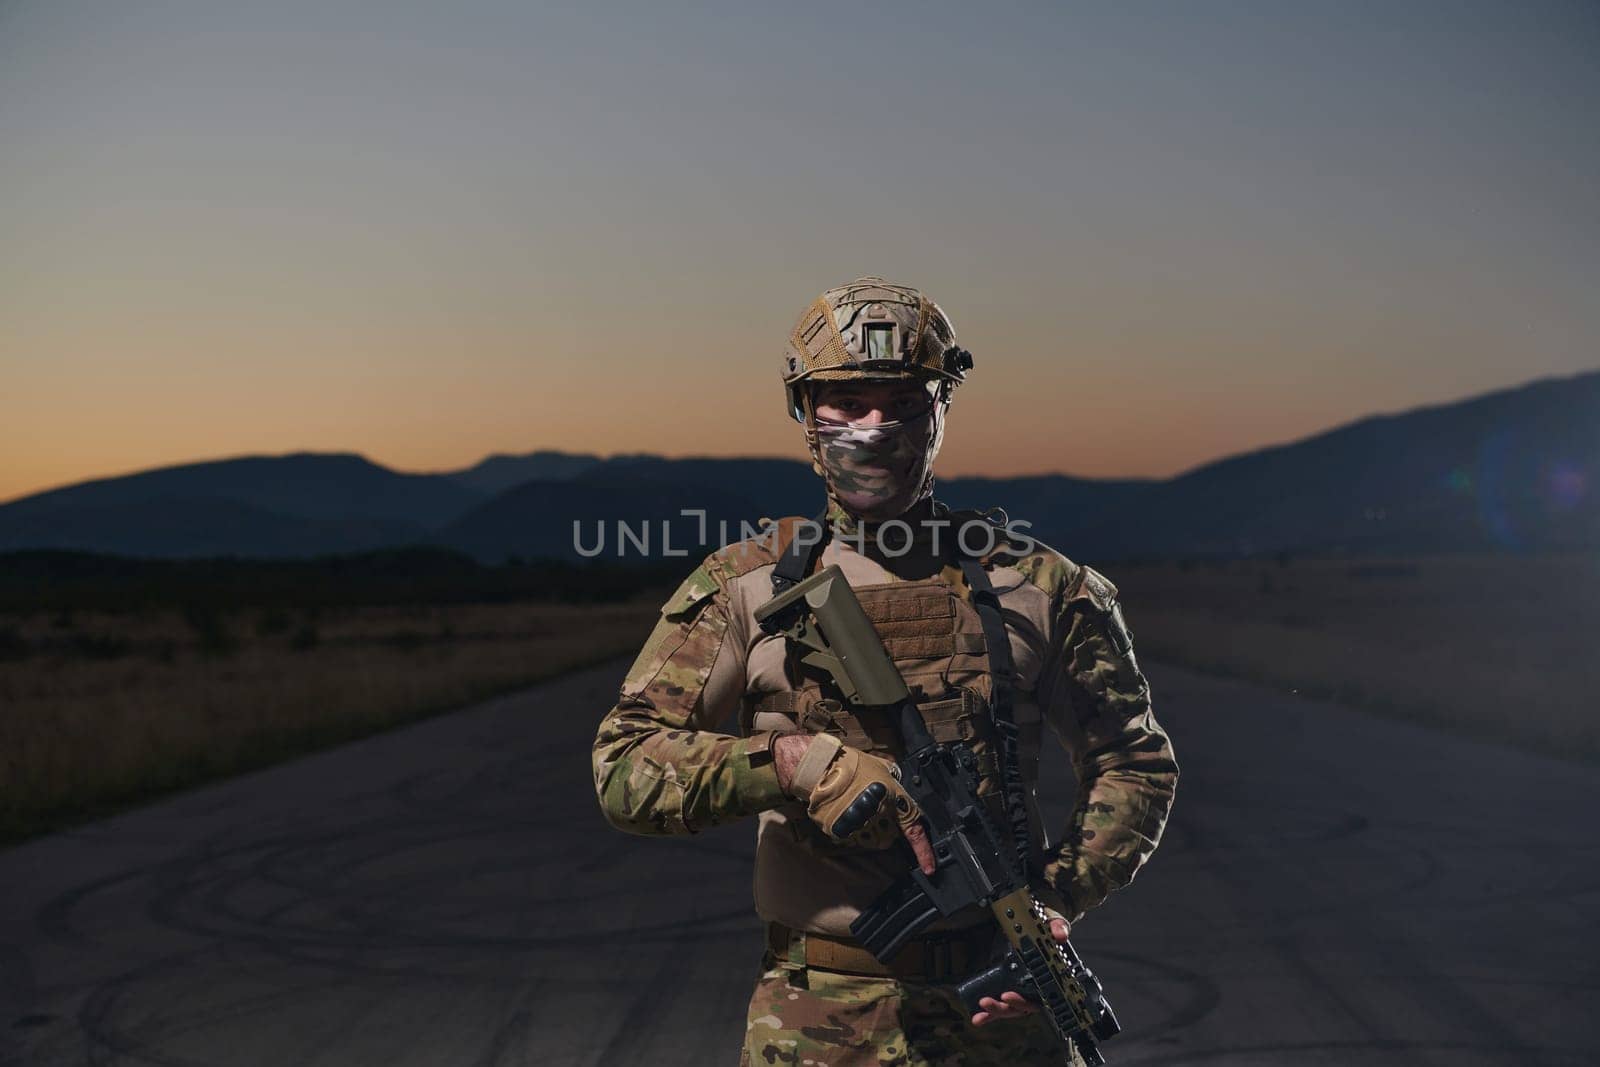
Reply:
x=798, y=558
x=1002, y=670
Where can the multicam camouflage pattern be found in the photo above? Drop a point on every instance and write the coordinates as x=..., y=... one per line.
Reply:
x=878, y=472
x=659, y=769
x=655, y=771
x=1126, y=771
x=873, y=328
x=806, y=1016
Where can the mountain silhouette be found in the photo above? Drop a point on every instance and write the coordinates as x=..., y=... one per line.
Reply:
x=613, y=518
x=1054, y=506
x=772, y=487
x=309, y=485
x=1517, y=469
x=502, y=471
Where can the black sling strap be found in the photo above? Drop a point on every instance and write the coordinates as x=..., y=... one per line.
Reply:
x=797, y=560
x=1002, y=672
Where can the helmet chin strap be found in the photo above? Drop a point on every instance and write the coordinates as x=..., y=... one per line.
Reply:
x=809, y=421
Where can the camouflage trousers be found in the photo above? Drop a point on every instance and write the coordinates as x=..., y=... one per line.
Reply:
x=814, y=1018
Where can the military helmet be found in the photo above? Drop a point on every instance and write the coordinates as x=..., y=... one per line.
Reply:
x=872, y=329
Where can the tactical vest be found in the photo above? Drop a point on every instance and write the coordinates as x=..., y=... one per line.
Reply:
x=946, y=651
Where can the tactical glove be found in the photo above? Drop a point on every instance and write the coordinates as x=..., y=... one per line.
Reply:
x=852, y=795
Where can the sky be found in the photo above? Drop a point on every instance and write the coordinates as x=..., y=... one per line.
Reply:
x=428, y=233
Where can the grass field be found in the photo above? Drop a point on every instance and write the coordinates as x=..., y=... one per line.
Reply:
x=99, y=710
x=1504, y=648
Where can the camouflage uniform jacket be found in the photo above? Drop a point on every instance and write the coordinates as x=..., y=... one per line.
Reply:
x=661, y=767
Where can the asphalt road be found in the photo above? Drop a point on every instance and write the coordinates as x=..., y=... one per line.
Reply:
x=1333, y=889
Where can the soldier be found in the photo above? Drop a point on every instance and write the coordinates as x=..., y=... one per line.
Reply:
x=869, y=373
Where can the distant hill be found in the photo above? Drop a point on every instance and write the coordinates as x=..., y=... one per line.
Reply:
x=1053, y=502
x=501, y=471
x=1055, y=506
x=582, y=519
x=308, y=485
x=1517, y=469
x=771, y=487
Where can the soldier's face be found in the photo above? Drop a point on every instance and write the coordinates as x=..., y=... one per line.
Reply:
x=871, y=403
x=875, y=443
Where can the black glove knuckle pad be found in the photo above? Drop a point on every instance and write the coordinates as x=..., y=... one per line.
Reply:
x=860, y=810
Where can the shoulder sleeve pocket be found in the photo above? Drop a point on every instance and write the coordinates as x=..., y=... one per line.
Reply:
x=694, y=589
x=676, y=659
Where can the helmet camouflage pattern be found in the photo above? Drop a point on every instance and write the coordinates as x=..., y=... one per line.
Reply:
x=871, y=328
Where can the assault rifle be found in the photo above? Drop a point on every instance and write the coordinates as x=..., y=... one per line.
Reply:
x=975, y=866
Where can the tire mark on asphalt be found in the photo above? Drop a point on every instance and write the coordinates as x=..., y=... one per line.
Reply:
x=1278, y=1053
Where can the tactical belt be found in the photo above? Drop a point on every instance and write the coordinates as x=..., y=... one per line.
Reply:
x=945, y=957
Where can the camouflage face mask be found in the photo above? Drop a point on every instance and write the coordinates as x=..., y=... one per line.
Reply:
x=877, y=472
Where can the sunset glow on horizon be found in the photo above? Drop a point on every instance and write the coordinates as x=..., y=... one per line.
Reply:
x=428, y=236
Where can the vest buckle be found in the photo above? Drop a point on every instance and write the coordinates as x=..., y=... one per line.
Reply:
x=819, y=716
